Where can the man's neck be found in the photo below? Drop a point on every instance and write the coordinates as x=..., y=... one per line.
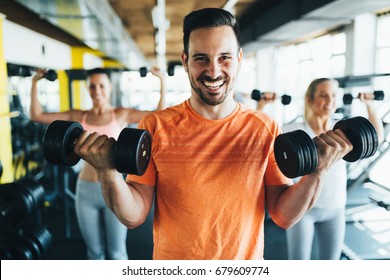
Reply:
x=213, y=112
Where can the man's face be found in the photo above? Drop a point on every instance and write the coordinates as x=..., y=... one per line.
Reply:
x=213, y=62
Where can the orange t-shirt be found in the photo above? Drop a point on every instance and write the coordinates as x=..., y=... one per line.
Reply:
x=209, y=177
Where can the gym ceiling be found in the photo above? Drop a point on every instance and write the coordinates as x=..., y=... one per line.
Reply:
x=134, y=32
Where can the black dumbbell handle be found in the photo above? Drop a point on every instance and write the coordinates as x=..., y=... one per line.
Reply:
x=131, y=150
x=257, y=95
x=378, y=95
x=143, y=71
x=51, y=75
x=296, y=154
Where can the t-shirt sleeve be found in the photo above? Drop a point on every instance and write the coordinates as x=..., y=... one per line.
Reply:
x=273, y=175
x=150, y=175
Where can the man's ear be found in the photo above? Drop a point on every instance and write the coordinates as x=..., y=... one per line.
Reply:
x=184, y=60
x=240, y=55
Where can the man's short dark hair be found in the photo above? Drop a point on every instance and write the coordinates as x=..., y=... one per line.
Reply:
x=97, y=70
x=208, y=17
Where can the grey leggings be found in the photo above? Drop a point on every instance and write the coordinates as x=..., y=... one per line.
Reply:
x=329, y=227
x=101, y=230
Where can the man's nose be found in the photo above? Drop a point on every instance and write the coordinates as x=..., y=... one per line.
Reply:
x=214, y=69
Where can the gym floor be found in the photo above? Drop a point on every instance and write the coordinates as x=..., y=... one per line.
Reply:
x=68, y=244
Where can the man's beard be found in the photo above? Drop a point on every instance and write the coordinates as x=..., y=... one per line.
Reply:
x=207, y=97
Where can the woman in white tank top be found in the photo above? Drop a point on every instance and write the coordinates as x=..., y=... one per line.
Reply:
x=326, y=220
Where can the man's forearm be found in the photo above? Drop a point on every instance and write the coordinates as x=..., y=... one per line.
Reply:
x=296, y=200
x=123, y=199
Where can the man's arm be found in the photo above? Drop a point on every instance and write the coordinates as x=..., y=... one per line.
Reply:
x=131, y=202
x=287, y=204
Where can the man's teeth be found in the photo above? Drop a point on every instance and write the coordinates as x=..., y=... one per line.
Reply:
x=213, y=84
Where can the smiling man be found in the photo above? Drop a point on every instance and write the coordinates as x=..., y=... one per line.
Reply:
x=212, y=170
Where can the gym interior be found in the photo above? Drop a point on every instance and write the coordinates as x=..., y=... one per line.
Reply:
x=286, y=44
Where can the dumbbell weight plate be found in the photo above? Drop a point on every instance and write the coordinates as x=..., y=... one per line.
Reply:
x=143, y=71
x=347, y=98
x=15, y=208
x=373, y=139
x=51, y=75
x=12, y=247
x=370, y=136
x=32, y=189
x=362, y=135
x=73, y=132
x=32, y=246
x=58, y=142
x=362, y=131
x=286, y=99
x=132, y=151
x=296, y=141
x=366, y=137
x=292, y=151
x=355, y=137
x=256, y=95
x=50, y=144
x=379, y=95
x=39, y=238
x=310, y=151
x=19, y=200
x=16, y=205
x=287, y=154
x=47, y=142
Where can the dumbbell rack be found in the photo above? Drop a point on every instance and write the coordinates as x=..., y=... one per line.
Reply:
x=63, y=193
x=22, y=236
